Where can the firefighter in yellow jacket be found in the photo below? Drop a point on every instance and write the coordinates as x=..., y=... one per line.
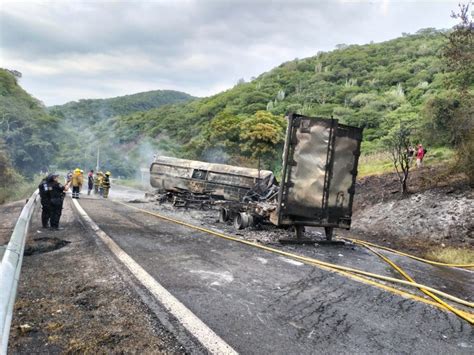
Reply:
x=106, y=185
x=77, y=180
x=100, y=178
x=96, y=182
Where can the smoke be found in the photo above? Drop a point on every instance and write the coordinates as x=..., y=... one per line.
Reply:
x=143, y=153
x=116, y=146
x=215, y=155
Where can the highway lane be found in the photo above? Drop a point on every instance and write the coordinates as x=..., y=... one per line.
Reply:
x=259, y=302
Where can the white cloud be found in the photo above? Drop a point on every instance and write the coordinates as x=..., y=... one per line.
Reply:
x=69, y=50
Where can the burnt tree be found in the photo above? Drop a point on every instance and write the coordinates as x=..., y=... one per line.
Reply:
x=398, y=143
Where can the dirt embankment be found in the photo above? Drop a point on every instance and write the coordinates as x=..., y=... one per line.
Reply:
x=71, y=299
x=438, y=211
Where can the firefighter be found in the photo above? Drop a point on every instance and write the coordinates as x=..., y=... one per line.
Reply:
x=56, y=196
x=101, y=179
x=45, y=202
x=76, y=183
x=106, y=185
x=96, y=183
x=90, y=181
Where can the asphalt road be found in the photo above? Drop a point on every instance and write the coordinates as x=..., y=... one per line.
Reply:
x=262, y=303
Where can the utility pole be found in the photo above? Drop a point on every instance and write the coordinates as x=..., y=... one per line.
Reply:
x=258, y=179
x=98, y=155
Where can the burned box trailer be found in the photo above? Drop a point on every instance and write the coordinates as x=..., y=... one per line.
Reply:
x=320, y=160
x=191, y=181
x=317, y=187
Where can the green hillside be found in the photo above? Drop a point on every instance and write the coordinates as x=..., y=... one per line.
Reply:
x=27, y=132
x=93, y=110
x=88, y=130
x=374, y=86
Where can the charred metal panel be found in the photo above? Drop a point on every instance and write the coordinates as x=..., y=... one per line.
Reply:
x=319, y=168
x=230, y=179
x=308, y=169
x=343, y=174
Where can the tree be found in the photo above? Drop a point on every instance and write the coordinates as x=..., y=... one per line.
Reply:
x=8, y=175
x=224, y=132
x=459, y=51
x=262, y=136
x=398, y=144
x=439, y=112
x=459, y=56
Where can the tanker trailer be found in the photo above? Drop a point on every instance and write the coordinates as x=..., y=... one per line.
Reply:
x=188, y=180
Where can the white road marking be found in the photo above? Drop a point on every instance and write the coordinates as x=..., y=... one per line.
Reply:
x=225, y=276
x=290, y=261
x=262, y=260
x=205, y=335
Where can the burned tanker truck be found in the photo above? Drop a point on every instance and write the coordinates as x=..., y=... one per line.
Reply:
x=317, y=186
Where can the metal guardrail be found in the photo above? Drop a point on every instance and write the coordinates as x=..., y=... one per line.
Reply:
x=10, y=270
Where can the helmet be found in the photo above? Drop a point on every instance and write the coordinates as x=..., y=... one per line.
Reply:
x=107, y=173
x=77, y=170
x=52, y=176
x=100, y=173
x=81, y=171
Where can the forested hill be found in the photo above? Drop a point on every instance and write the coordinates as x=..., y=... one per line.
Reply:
x=34, y=139
x=93, y=110
x=27, y=133
x=374, y=86
x=89, y=127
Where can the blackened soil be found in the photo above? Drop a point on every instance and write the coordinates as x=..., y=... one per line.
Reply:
x=437, y=212
x=44, y=245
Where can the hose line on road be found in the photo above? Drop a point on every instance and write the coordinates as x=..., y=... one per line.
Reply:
x=464, y=315
x=361, y=242
x=328, y=266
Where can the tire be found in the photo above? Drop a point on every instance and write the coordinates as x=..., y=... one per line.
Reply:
x=224, y=215
x=242, y=220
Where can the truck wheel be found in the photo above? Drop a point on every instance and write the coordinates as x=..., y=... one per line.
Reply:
x=223, y=215
x=242, y=220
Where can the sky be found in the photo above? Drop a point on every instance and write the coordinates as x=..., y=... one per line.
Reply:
x=70, y=50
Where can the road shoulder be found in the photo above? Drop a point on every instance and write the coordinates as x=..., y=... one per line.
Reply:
x=71, y=298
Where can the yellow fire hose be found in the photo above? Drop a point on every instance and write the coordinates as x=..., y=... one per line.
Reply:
x=464, y=315
x=358, y=241
x=347, y=271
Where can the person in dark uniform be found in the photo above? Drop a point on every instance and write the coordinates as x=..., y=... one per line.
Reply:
x=90, y=181
x=45, y=202
x=56, y=193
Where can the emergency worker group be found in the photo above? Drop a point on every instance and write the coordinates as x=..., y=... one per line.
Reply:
x=52, y=192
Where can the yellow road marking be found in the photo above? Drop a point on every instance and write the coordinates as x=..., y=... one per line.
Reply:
x=346, y=271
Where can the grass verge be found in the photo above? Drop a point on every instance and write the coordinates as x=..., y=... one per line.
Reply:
x=22, y=189
x=452, y=255
x=381, y=163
